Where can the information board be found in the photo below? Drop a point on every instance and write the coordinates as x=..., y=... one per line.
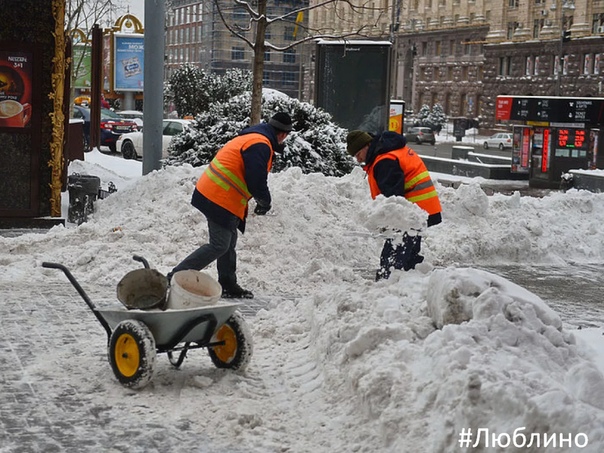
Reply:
x=352, y=83
x=551, y=109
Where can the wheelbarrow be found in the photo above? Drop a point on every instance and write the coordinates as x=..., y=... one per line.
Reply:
x=136, y=336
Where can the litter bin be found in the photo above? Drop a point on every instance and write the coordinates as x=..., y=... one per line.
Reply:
x=83, y=192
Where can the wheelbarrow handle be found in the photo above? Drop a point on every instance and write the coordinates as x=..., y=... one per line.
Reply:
x=82, y=293
x=141, y=260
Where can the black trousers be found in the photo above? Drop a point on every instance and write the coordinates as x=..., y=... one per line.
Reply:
x=404, y=255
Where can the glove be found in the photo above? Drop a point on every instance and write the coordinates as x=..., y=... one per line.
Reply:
x=261, y=210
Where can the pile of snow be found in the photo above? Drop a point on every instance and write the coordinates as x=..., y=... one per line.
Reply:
x=342, y=363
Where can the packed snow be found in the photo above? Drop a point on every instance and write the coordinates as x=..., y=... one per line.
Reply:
x=341, y=363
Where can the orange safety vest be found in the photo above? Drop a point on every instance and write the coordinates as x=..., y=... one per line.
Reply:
x=223, y=181
x=419, y=188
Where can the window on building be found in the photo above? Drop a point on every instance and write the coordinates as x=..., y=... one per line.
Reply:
x=428, y=3
x=456, y=2
x=288, y=33
x=512, y=26
x=442, y=2
x=467, y=48
x=537, y=26
x=237, y=53
x=598, y=23
x=505, y=64
x=587, y=63
x=528, y=66
x=437, y=48
x=240, y=15
x=539, y=2
x=289, y=78
x=538, y=64
x=267, y=55
x=414, y=5
x=452, y=47
x=513, y=3
x=464, y=74
x=424, y=49
x=597, y=59
x=289, y=56
x=450, y=73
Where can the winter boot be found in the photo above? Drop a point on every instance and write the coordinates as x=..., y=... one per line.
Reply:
x=234, y=291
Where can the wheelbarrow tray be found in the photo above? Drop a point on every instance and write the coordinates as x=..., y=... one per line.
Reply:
x=174, y=326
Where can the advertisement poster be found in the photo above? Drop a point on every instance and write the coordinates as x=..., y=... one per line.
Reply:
x=15, y=88
x=82, y=66
x=396, y=116
x=129, y=62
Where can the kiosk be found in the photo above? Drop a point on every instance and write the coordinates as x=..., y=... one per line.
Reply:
x=553, y=135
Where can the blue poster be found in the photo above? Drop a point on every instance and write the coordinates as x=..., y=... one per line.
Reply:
x=129, y=62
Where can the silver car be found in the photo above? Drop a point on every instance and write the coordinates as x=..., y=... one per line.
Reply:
x=500, y=140
x=420, y=135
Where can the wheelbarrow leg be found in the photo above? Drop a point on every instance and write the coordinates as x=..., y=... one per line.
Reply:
x=181, y=357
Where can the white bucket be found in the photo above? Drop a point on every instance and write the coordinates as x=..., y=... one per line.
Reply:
x=193, y=288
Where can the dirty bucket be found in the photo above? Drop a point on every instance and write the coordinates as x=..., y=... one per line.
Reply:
x=192, y=288
x=142, y=289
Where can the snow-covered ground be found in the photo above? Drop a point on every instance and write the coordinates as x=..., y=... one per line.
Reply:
x=341, y=363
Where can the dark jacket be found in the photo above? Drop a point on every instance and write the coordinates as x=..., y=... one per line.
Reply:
x=255, y=161
x=388, y=173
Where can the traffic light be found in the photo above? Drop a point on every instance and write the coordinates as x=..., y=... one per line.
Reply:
x=566, y=36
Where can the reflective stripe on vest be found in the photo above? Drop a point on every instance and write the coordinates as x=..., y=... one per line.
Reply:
x=223, y=181
x=227, y=179
x=419, y=187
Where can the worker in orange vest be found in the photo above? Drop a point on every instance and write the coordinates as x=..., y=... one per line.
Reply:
x=238, y=173
x=394, y=169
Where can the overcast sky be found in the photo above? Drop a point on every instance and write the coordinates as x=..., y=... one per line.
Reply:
x=137, y=8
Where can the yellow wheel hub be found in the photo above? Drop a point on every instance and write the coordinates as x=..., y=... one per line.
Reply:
x=227, y=351
x=127, y=355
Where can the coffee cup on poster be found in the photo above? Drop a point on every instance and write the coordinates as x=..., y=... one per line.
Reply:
x=14, y=114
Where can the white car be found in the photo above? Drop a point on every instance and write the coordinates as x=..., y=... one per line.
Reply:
x=131, y=144
x=133, y=115
x=500, y=140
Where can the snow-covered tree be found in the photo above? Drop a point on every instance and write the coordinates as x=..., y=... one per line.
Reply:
x=423, y=114
x=316, y=144
x=437, y=119
x=193, y=90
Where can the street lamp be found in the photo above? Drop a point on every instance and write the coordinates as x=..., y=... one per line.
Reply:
x=567, y=5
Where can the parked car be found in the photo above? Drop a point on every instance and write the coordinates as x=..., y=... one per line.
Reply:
x=133, y=115
x=420, y=135
x=500, y=140
x=112, y=126
x=131, y=145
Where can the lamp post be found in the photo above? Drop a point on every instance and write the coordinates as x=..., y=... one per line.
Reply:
x=567, y=5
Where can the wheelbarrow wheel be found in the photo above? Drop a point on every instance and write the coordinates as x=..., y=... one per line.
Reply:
x=132, y=353
x=236, y=349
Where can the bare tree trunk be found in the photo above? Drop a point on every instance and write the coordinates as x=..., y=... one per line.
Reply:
x=258, y=65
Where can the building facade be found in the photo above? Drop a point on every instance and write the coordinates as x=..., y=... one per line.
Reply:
x=196, y=35
x=463, y=53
